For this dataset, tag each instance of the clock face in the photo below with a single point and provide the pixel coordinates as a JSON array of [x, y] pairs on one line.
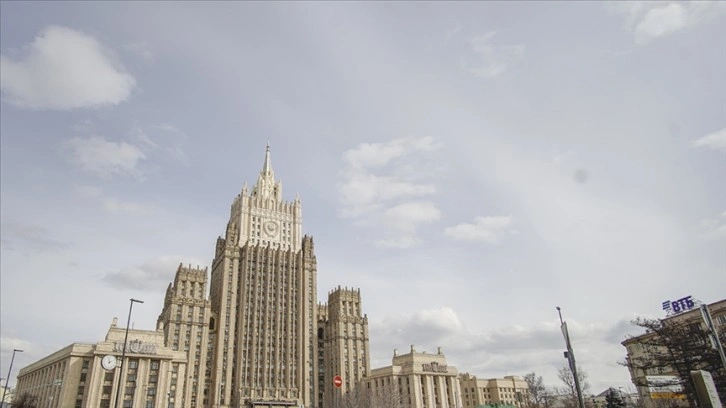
[[108, 362], [271, 228]]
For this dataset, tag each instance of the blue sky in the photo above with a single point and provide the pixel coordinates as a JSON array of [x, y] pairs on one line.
[[469, 166]]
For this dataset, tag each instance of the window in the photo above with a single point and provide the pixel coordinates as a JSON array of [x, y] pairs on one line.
[[133, 364], [721, 320]]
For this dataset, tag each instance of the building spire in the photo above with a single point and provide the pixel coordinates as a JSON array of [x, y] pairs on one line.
[[267, 166], [266, 186]]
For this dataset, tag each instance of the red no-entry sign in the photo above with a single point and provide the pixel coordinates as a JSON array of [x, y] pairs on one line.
[[337, 381]]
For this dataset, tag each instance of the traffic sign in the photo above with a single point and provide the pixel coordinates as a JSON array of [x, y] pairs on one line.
[[337, 381]]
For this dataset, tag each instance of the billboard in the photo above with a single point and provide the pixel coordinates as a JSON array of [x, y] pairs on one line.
[[665, 386]]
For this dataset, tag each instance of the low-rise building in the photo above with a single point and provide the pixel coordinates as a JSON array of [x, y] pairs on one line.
[[87, 375], [510, 390], [657, 384], [414, 380]]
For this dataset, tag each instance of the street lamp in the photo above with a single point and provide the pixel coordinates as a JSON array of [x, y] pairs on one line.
[[7, 381], [123, 352], [570, 356]]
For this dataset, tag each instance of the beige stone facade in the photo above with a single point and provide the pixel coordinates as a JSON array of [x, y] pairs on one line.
[[186, 319], [253, 342], [74, 377], [510, 390], [414, 380], [343, 345], [637, 352]]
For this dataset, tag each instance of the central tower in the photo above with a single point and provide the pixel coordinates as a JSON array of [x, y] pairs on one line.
[[263, 298]]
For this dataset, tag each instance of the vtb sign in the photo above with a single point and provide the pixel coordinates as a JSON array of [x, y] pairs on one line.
[[337, 381], [678, 306]]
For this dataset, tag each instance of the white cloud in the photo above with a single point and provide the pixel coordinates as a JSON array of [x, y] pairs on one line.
[[399, 242], [111, 205], [118, 207], [649, 21], [153, 275], [28, 237], [453, 32], [8, 344], [64, 69], [141, 49], [103, 157], [714, 141], [378, 182], [363, 192], [714, 228], [493, 60], [406, 216], [163, 138], [89, 191], [485, 229]]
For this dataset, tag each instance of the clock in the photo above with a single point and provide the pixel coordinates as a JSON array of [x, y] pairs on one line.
[[270, 228], [108, 362]]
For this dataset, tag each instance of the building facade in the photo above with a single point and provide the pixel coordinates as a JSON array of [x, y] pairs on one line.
[[87, 375], [259, 339], [343, 345], [414, 380], [657, 384], [187, 324], [264, 302], [510, 390]]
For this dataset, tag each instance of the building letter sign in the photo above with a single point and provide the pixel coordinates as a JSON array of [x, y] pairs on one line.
[[136, 346], [678, 306], [434, 367]]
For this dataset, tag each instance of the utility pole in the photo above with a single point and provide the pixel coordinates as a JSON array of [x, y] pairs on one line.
[[570, 356], [713, 333], [123, 353], [7, 380]]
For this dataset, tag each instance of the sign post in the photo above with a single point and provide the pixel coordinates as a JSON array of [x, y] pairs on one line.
[[338, 383]]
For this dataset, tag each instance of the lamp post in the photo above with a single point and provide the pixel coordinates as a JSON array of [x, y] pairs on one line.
[[7, 380], [570, 356], [123, 351]]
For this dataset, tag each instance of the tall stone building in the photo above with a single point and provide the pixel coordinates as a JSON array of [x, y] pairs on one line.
[[260, 339], [185, 319], [342, 345], [264, 304]]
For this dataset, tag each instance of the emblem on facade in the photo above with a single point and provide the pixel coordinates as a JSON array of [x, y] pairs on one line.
[[136, 346], [435, 367]]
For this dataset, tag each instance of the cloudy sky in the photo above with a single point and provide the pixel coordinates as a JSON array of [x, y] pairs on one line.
[[469, 166]]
